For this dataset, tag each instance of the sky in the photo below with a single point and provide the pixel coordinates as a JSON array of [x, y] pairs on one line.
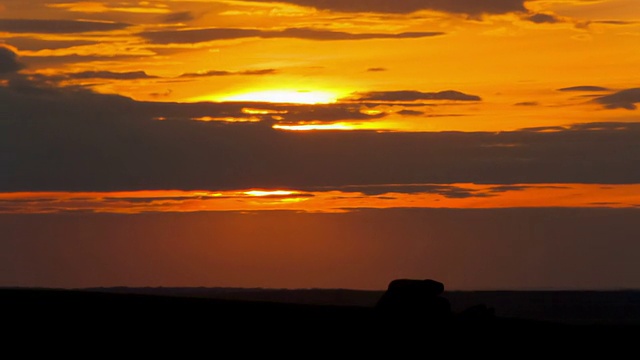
[[487, 144]]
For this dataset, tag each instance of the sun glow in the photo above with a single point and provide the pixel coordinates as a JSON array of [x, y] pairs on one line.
[[261, 193], [287, 97], [309, 127], [476, 196]]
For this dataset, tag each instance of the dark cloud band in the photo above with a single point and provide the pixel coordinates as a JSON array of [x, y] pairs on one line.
[[192, 36], [57, 26], [412, 95], [72, 139], [470, 7], [585, 88]]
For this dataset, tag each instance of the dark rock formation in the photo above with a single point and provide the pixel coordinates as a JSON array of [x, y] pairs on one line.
[[477, 313], [414, 300]]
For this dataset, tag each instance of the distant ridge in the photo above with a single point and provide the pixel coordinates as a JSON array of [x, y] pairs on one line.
[[571, 306]]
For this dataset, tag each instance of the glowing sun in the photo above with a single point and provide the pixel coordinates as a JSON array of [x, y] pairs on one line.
[[287, 96]]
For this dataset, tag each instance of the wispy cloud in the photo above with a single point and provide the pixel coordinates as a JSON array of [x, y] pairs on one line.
[[47, 26], [470, 7], [339, 199], [192, 36], [35, 44], [128, 75], [177, 17], [229, 73], [413, 95], [585, 88]]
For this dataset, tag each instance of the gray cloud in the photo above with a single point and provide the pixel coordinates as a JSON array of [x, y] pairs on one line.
[[469, 7], [412, 95], [587, 88], [544, 129], [624, 99], [586, 24], [448, 191], [8, 61], [376, 69], [57, 26], [52, 80], [47, 61], [614, 22], [544, 18], [73, 139], [325, 113], [410, 112], [229, 73], [177, 17], [527, 103], [35, 44], [129, 75], [192, 36]]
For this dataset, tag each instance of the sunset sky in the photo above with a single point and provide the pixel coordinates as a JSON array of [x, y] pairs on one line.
[[487, 144]]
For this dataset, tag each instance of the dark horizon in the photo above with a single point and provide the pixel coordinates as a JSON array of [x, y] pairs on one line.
[[320, 143]]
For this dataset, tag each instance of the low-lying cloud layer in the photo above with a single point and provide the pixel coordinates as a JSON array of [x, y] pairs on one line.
[[72, 139], [326, 199]]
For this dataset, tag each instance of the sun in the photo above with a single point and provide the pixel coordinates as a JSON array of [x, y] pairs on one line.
[[287, 96]]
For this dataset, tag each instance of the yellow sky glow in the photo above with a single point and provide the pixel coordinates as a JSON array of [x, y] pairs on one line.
[[286, 96]]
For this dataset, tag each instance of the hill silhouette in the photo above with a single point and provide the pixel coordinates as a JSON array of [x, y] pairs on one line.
[[408, 313]]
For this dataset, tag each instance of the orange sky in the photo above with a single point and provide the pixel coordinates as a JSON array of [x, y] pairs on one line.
[[514, 61]]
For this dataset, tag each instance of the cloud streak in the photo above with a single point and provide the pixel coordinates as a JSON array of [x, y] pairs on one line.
[[128, 75], [412, 95], [35, 44], [469, 7], [193, 36], [42, 26], [177, 17], [229, 73], [326, 199], [584, 88]]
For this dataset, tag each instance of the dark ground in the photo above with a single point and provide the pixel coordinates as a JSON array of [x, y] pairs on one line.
[[572, 307], [318, 321]]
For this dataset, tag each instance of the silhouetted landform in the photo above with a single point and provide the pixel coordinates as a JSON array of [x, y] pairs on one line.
[[409, 315], [414, 301], [573, 307]]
